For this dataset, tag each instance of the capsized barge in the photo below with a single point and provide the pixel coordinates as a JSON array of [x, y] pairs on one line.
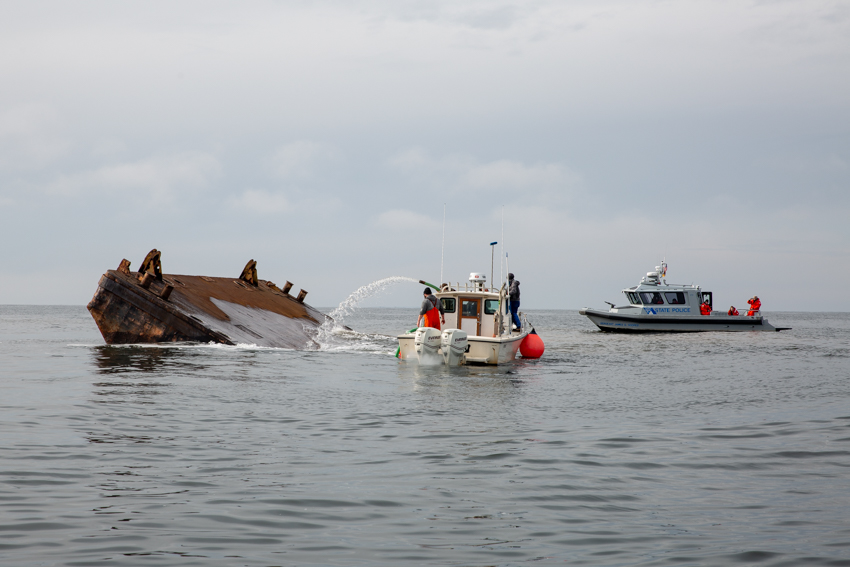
[[151, 307]]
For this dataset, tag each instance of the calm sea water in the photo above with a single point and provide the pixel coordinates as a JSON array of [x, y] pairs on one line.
[[702, 449]]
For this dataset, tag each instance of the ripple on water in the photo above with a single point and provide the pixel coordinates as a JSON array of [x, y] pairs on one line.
[[657, 450]]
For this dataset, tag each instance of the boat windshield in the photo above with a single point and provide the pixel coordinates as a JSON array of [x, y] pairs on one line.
[[674, 297], [633, 298], [651, 298]]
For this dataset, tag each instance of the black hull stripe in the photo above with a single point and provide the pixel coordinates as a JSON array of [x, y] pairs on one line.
[[702, 320]]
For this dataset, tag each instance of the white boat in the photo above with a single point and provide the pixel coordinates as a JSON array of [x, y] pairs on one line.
[[478, 328], [656, 306]]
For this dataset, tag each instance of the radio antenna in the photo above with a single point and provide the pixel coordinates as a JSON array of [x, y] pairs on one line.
[[443, 247], [502, 255], [492, 249]]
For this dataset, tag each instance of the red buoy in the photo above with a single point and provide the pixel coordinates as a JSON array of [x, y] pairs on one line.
[[531, 346]]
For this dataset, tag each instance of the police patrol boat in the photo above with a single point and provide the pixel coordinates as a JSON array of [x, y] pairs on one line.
[[656, 306], [477, 328]]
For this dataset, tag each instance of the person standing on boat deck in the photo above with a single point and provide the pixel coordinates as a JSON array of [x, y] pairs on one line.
[[755, 305], [431, 311], [513, 292]]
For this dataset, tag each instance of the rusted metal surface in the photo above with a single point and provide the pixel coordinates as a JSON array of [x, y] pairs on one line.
[[200, 308], [146, 280], [249, 273], [151, 264]]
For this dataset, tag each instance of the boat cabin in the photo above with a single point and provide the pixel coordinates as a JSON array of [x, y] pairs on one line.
[[475, 308], [659, 297]]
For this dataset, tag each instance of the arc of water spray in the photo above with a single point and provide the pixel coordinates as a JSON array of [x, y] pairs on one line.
[[334, 323], [347, 306]]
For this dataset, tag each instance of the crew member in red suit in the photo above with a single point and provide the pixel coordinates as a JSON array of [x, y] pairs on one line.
[[732, 311], [432, 311], [704, 309], [755, 305]]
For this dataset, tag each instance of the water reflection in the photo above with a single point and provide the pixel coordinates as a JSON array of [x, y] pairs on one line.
[[133, 358], [488, 388], [517, 374]]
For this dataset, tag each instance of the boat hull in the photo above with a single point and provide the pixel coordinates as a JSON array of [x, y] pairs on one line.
[[482, 350], [624, 323]]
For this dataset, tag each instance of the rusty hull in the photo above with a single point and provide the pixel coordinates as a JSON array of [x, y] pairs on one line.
[[130, 307]]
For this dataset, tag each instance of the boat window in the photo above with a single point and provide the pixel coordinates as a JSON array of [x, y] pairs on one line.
[[651, 298], [633, 298], [469, 308], [449, 304], [491, 306], [674, 297]]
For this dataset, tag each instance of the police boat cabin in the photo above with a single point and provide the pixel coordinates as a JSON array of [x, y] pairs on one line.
[[477, 328], [656, 306]]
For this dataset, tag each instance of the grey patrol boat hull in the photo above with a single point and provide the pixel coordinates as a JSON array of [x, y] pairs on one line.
[[615, 321]]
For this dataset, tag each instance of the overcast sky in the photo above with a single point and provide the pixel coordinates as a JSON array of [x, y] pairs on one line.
[[323, 139]]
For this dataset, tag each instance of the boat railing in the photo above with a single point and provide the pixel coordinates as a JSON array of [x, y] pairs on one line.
[[466, 287], [742, 313]]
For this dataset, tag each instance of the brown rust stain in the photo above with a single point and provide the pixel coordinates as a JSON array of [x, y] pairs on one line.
[[197, 292]]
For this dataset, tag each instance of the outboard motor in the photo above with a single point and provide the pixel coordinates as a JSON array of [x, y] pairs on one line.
[[453, 345], [427, 345]]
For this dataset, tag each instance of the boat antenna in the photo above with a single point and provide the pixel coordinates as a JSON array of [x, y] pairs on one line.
[[501, 273], [492, 248], [443, 248], [507, 268]]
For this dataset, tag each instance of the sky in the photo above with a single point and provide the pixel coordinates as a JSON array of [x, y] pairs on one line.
[[326, 139]]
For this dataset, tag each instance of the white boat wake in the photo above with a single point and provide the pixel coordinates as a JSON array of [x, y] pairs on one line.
[[332, 335]]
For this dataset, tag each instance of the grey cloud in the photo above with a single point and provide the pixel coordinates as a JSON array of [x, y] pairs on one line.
[[156, 180], [30, 136], [315, 137]]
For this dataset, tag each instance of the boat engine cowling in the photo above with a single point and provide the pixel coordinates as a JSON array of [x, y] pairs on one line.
[[453, 345], [427, 345]]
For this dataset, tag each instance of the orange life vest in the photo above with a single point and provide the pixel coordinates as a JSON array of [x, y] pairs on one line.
[[755, 305], [432, 317]]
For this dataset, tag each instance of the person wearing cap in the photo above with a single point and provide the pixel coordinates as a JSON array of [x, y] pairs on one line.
[[431, 311], [513, 293]]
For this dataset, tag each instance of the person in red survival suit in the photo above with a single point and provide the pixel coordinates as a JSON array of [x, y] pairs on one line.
[[755, 305], [704, 309], [431, 311], [732, 311]]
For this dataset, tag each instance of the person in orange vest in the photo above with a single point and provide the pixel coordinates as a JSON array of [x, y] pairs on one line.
[[704, 309], [732, 311], [431, 311], [755, 305]]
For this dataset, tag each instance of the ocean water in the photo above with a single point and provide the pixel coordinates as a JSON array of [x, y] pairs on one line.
[[696, 449]]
